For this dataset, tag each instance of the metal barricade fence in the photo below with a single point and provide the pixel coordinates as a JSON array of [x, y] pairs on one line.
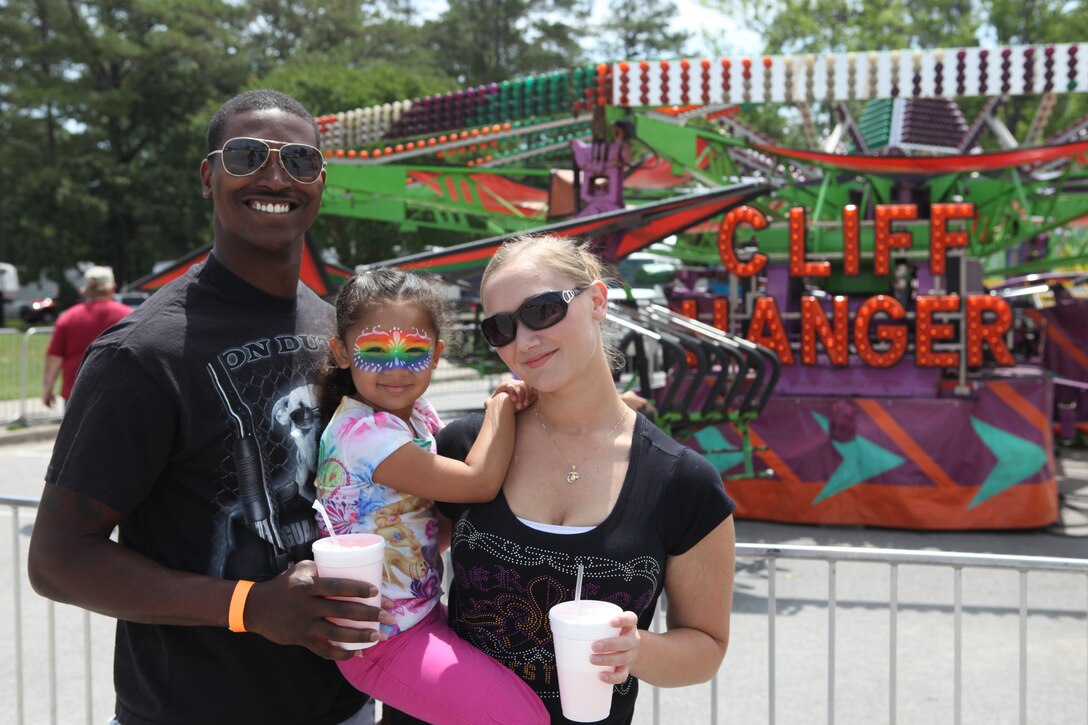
[[20, 392], [67, 677], [1066, 605], [455, 386], [11, 358]]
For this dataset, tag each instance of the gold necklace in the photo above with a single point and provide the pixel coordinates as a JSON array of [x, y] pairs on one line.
[[574, 475]]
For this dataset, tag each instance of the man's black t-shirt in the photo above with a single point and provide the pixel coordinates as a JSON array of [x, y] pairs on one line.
[[195, 417]]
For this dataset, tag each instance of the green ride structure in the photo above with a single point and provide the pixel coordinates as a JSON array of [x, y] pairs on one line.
[[858, 331], [879, 326]]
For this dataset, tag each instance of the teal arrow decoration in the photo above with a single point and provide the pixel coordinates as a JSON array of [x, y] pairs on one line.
[[861, 460], [1018, 459], [717, 449]]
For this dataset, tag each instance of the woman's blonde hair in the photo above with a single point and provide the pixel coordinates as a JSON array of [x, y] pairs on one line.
[[569, 257]]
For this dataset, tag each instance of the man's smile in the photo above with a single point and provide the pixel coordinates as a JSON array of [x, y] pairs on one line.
[[279, 207]]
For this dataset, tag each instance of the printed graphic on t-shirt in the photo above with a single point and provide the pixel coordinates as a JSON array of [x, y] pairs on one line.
[[355, 443], [504, 611], [266, 520]]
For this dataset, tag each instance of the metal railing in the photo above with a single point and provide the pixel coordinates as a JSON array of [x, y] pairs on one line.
[[96, 672], [894, 558], [23, 405], [22, 402], [92, 665]]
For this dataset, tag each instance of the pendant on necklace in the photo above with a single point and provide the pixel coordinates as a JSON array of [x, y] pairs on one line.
[[573, 475]]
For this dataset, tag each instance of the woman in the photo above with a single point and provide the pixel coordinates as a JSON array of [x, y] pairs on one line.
[[591, 482]]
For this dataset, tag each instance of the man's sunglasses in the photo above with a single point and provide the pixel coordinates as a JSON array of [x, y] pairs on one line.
[[245, 156], [538, 313]]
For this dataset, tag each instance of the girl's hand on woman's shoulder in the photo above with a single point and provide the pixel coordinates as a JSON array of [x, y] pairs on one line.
[[519, 391], [618, 652], [636, 402]]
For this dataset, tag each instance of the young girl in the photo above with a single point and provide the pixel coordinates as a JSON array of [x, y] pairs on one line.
[[378, 473]]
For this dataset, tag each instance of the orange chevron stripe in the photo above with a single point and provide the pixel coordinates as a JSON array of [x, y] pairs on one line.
[[1026, 410], [908, 445], [1062, 340], [784, 472], [905, 507]]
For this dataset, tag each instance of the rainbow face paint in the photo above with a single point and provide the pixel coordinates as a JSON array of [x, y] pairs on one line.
[[379, 350]]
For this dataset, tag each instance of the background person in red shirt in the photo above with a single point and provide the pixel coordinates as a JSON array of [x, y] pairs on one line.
[[77, 328]]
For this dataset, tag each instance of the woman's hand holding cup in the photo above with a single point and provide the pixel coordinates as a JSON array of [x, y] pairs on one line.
[[618, 652]]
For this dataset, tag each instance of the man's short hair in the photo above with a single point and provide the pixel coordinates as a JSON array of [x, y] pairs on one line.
[[97, 280], [262, 99]]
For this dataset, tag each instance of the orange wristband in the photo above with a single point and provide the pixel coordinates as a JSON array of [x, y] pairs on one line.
[[238, 606]]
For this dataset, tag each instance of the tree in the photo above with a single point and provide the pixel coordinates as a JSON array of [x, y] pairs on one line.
[[1037, 21], [483, 41], [326, 88], [33, 187], [289, 31], [813, 26], [639, 29], [1040, 21], [817, 26], [108, 103], [100, 94]]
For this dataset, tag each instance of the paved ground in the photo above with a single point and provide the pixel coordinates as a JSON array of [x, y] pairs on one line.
[[1057, 673]]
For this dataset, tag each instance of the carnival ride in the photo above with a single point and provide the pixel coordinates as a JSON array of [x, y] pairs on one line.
[[840, 340]]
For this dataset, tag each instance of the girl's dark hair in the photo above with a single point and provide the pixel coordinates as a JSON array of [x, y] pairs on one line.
[[362, 291]]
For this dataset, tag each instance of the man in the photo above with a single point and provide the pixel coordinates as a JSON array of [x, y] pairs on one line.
[[176, 435], [77, 328]]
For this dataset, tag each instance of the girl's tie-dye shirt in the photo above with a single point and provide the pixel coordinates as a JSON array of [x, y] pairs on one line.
[[354, 443]]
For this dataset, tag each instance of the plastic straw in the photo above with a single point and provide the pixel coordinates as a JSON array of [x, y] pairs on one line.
[[578, 589], [328, 525]]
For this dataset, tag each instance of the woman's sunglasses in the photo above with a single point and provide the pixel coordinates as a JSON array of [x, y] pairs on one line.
[[538, 313], [245, 156]]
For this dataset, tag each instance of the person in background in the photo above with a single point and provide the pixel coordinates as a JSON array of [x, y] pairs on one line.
[[194, 431], [623, 131], [592, 482], [76, 329]]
